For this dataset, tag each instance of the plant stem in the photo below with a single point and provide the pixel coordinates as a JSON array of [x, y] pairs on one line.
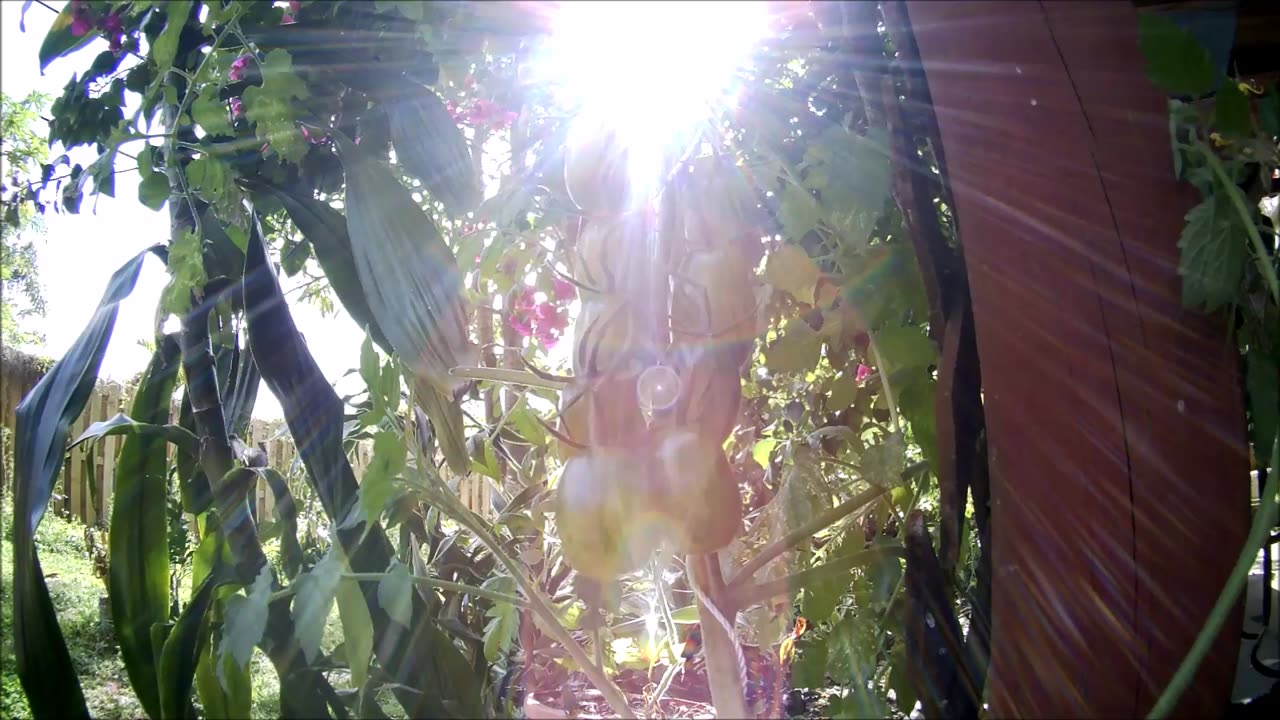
[[502, 375], [538, 602], [786, 542], [745, 596], [1259, 532], [446, 585], [1264, 259]]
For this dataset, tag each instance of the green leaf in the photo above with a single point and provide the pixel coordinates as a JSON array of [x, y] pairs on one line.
[[899, 680], [43, 417], [1176, 61], [236, 701], [810, 670], [395, 593], [210, 111], [843, 390], [59, 41], [687, 615], [165, 48], [1262, 375], [153, 187], [357, 630], [138, 574], [1269, 112], [761, 451], [313, 600], [1214, 254], [851, 174], [246, 621], [905, 347], [791, 270], [432, 148], [798, 212], [822, 596], [103, 172], [796, 351], [186, 272], [378, 486], [181, 650], [122, 424], [1231, 111], [504, 620], [273, 106]]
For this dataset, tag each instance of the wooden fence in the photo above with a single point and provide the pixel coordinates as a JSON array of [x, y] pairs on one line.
[[19, 373]]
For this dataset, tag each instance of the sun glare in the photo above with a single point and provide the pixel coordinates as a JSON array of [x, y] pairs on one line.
[[655, 69]]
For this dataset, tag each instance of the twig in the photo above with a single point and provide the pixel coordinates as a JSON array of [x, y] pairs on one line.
[[786, 542]]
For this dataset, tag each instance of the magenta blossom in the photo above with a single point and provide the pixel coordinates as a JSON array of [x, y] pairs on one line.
[[82, 20], [239, 67], [295, 6], [314, 139], [864, 372], [237, 107], [113, 24], [562, 289], [287, 19]]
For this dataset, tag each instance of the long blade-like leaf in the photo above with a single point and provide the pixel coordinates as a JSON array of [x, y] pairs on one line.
[[122, 424], [138, 574], [43, 417], [432, 148], [410, 277], [326, 229], [177, 667], [422, 658]]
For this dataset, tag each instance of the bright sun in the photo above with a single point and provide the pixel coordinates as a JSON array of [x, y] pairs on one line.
[[655, 69]]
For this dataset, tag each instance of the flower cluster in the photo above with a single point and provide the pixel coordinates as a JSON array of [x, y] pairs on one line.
[[84, 21], [481, 113], [545, 321], [289, 17]]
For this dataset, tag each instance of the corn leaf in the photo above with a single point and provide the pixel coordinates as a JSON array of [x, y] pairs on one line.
[[411, 278], [430, 146], [138, 575], [43, 418]]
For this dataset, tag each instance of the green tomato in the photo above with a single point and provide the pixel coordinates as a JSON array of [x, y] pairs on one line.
[[607, 513], [700, 492]]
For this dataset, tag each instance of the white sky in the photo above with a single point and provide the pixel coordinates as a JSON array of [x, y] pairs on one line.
[[78, 253]]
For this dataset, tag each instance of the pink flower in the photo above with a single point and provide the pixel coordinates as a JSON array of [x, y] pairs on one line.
[[562, 289], [521, 323], [287, 19], [295, 5], [81, 22], [314, 139], [237, 107], [525, 300], [238, 68], [864, 372], [112, 24]]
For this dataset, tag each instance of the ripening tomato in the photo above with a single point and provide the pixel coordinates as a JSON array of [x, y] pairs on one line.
[[713, 302], [602, 333], [607, 513], [701, 492], [596, 167]]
